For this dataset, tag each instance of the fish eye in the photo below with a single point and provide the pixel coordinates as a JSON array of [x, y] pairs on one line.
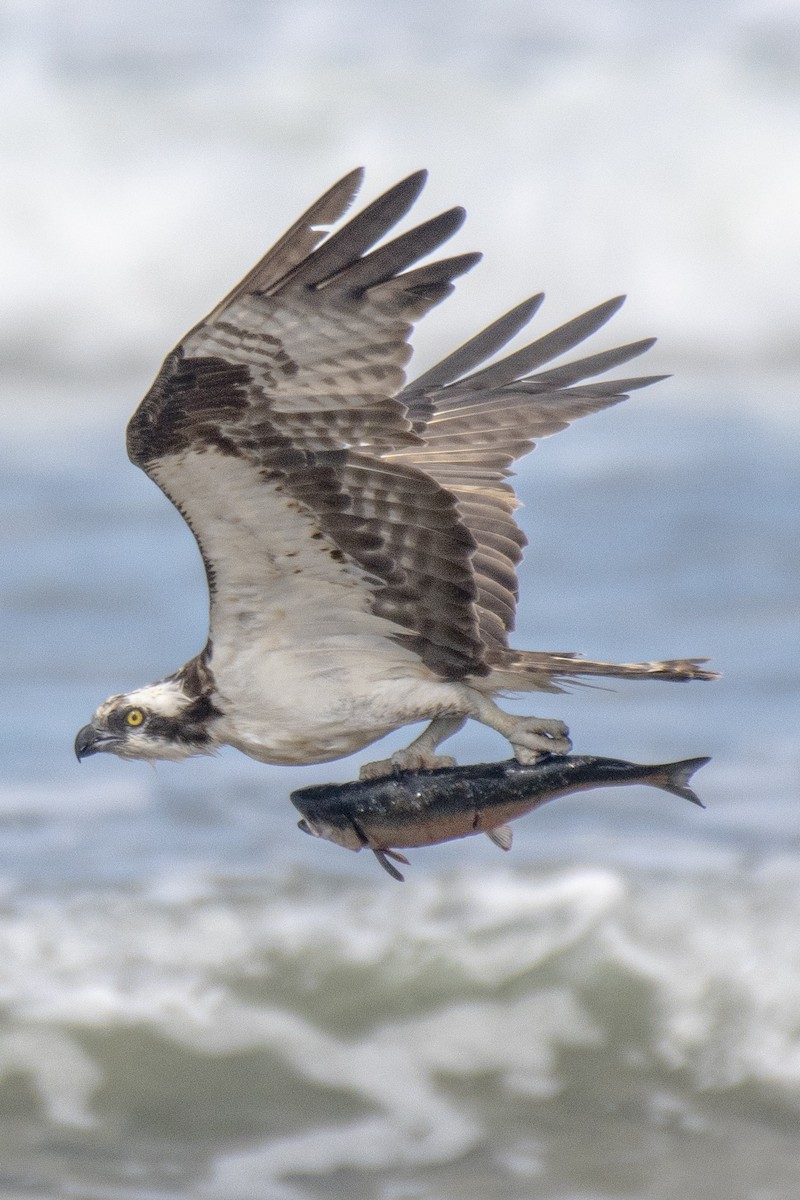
[[135, 718]]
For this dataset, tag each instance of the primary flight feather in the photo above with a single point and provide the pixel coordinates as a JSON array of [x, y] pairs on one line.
[[357, 531]]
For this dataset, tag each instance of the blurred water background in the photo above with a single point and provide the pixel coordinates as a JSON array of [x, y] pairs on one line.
[[195, 1000]]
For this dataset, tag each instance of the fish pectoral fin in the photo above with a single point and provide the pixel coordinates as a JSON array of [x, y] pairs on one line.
[[502, 836], [384, 854]]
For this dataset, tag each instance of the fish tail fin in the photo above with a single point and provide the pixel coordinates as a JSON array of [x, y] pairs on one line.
[[674, 778]]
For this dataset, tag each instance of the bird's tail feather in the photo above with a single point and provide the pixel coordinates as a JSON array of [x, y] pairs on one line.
[[534, 670]]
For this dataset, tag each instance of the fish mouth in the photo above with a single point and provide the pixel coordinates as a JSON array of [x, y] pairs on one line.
[[91, 740]]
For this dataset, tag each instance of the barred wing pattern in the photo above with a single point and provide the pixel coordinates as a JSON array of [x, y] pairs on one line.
[[280, 429], [475, 424]]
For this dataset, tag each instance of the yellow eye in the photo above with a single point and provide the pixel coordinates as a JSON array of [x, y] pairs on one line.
[[135, 717]]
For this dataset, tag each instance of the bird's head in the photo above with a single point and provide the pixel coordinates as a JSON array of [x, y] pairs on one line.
[[159, 721]]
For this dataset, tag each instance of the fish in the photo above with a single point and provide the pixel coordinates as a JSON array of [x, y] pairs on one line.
[[426, 807]]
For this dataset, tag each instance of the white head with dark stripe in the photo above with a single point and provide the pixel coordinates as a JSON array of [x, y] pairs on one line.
[[161, 721]]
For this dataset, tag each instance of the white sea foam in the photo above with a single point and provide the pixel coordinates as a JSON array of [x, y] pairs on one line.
[[395, 1071], [452, 978], [598, 149], [61, 1073]]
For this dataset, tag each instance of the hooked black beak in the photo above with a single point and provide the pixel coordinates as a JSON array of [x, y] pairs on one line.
[[91, 741]]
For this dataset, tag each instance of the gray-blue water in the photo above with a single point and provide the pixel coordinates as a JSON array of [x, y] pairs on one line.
[[196, 1001]]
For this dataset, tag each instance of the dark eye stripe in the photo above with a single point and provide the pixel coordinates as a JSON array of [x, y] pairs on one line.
[[177, 729]]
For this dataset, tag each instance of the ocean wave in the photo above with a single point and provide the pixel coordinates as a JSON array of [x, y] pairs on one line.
[[597, 153], [511, 984], [190, 1004]]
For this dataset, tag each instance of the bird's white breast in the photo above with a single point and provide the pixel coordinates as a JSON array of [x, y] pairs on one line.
[[303, 670], [323, 699]]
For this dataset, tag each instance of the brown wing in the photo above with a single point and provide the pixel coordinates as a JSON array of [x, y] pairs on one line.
[[476, 423], [266, 428]]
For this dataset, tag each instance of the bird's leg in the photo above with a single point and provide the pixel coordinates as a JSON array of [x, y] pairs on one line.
[[420, 755], [530, 737]]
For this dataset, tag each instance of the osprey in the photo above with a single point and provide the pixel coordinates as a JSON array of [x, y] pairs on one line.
[[357, 530]]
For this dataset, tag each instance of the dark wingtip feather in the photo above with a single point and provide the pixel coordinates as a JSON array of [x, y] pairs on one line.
[[480, 347], [609, 307], [641, 381], [297, 242], [367, 227], [349, 183], [571, 373], [388, 260], [546, 348]]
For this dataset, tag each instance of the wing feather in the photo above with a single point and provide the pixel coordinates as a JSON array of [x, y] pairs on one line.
[[559, 341], [266, 427], [478, 348], [473, 424], [298, 241], [282, 430], [343, 250]]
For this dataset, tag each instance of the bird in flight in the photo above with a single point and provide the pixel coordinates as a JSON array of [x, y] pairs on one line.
[[357, 530]]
